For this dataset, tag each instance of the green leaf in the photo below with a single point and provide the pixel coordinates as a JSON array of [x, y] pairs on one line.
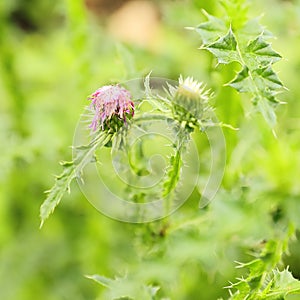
[[266, 109], [264, 281], [174, 169], [107, 282], [246, 43], [276, 285], [173, 173], [62, 184], [125, 288], [71, 170], [284, 284], [265, 77], [252, 29], [258, 51], [211, 30], [263, 80], [237, 11], [225, 49], [242, 82]]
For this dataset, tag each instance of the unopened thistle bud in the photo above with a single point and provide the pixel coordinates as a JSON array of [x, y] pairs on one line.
[[190, 101], [112, 105]]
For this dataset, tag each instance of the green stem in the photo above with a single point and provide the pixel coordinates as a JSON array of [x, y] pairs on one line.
[[173, 174]]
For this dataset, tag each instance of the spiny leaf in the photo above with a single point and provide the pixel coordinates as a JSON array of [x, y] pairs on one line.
[[252, 29], [237, 11], [225, 49], [264, 281], [266, 77], [247, 45], [211, 30], [261, 79], [266, 109], [62, 184], [284, 283], [277, 285], [242, 82], [173, 171], [83, 155], [258, 51], [125, 288], [172, 174]]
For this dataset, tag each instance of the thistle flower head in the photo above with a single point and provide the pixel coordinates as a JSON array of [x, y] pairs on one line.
[[190, 100], [111, 104], [191, 90]]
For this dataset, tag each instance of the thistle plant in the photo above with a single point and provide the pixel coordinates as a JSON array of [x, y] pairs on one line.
[[113, 112], [236, 38], [189, 108], [264, 279], [185, 108], [112, 108]]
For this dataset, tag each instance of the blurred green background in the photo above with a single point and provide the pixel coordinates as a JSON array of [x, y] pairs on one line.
[[55, 53]]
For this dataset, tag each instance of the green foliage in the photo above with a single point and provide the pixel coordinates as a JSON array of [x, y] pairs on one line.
[[246, 42], [112, 130], [277, 285], [71, 169], [264, 280], [124, 289], [173, 173], [231, 7], [46, 72]]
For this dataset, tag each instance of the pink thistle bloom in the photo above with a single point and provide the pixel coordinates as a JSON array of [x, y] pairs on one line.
[[109, 101]]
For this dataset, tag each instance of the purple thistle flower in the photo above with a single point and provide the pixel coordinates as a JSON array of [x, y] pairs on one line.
[[109, 101]]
